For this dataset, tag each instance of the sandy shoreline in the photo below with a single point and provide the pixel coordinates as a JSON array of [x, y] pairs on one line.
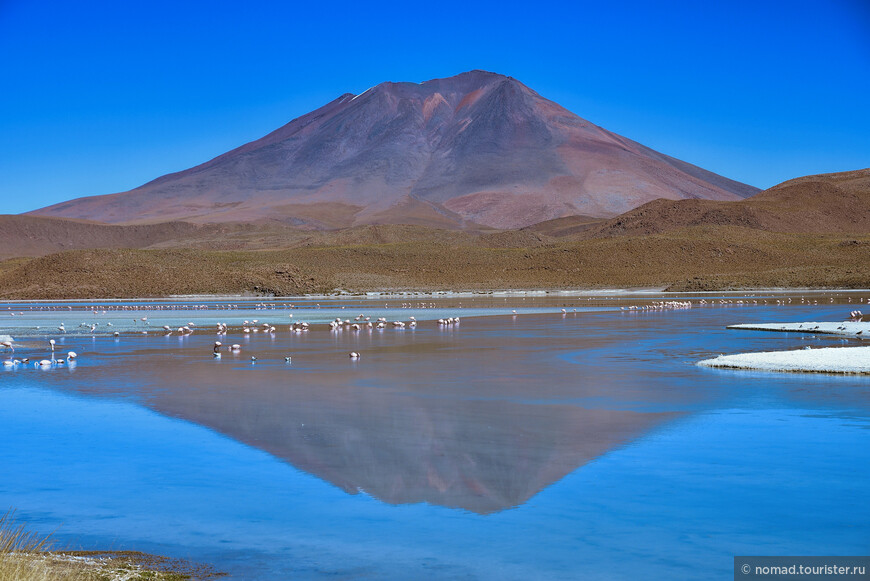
[[103, 565]]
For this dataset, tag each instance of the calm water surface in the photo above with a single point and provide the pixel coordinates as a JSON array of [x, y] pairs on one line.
[[538, 446]]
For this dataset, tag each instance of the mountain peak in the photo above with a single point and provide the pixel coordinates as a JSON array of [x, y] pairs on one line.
[[460, 84], [473, 76]]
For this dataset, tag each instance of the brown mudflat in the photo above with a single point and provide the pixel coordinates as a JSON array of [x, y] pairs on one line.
[[135, 565]]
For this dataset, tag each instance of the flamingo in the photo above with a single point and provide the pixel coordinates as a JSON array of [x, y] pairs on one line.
[[217, 349]]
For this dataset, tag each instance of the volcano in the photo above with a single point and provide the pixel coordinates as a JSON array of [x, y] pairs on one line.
[[476, 149]]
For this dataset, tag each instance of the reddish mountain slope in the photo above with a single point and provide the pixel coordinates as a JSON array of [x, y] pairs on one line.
[[477, 148]]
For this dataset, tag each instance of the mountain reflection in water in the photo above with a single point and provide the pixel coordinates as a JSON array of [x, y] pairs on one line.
[[474, 418], [482, 456]]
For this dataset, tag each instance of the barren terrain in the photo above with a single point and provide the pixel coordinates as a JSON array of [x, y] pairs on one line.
[[808, 232]]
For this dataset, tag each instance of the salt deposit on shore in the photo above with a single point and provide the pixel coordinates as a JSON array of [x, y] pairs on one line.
[[851, 360], [846, 329]]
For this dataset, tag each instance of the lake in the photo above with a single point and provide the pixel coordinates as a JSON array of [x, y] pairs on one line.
[[529, 445]]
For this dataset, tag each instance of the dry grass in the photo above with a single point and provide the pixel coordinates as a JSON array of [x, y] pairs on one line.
[[696, 258], [22, 554], [27, 556]]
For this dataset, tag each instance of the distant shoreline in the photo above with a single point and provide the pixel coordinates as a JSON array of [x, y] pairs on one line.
[[586, 292]]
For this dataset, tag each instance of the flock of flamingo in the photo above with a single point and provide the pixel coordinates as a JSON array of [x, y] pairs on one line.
[[40, 363], [103, 309], [357, 324]]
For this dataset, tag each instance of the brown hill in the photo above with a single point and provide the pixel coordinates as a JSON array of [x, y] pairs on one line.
[[27, 236], [37, 236], [836, 203], [475, 149], [567, 226]]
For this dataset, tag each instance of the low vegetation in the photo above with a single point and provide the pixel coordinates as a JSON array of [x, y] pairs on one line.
[[27, 556], [694, 258]]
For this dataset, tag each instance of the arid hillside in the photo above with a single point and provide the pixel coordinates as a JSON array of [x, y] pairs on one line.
[[28, 236], [808, 232], [37, 236], [822, 204]]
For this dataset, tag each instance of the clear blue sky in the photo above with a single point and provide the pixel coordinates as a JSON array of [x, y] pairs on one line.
[[100, 97]]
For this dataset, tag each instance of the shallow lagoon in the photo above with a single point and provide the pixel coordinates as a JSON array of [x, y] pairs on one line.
[[541, 446]]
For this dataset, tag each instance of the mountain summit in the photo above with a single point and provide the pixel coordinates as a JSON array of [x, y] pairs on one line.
[[475, 149]]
